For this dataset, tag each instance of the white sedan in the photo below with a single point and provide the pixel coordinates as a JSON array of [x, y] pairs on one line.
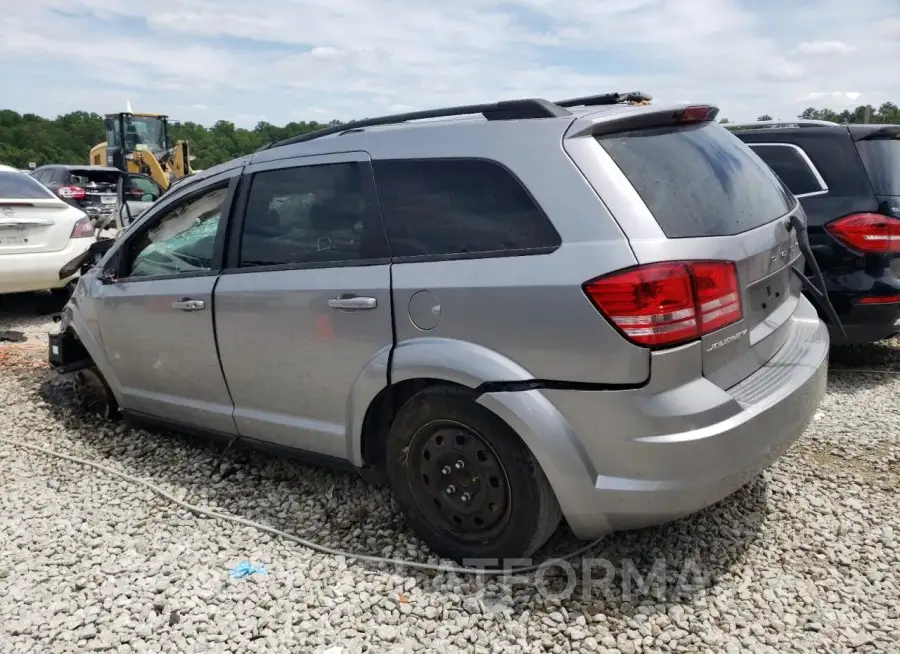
[[39, 234]]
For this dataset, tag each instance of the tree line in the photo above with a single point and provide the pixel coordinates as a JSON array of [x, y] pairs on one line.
[[29, 138]]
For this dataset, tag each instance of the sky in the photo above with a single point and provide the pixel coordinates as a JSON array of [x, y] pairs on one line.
[[283, 60]]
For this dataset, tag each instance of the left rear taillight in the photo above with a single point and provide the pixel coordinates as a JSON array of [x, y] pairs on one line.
[[670, 303], [868, 233], [70, 192], [83, 229]]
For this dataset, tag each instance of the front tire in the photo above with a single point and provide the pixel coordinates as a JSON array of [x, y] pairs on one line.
[[94, 395], [466, 483]]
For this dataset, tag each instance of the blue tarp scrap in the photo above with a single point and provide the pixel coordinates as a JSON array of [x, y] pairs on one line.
[[245, 569]]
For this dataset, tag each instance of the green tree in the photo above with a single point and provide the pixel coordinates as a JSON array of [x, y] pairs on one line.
[[68, 138], [26, 138]]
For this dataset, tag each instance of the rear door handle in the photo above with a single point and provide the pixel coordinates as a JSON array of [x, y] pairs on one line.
[[353, 302], [187, 304]]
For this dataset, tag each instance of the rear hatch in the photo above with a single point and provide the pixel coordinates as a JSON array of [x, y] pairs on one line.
[[32, 219], [100, 188], [880, 154], [712, 199]]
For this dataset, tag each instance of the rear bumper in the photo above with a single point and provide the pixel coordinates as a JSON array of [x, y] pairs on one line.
[[630, 459], [866, 324], [21, 273], [847, 287]]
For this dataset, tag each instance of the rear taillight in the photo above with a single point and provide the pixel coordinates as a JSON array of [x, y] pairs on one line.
[[869, 233], [696, 114], [664, 304], [83, 229], [71, 192], [880, 299]]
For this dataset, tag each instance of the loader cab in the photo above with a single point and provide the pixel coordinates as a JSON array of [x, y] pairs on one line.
[[127, 133]]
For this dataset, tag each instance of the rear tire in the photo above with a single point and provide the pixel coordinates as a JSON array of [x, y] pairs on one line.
[[466, 483], [94, 395]]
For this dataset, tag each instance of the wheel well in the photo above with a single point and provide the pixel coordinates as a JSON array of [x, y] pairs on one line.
[[77, 355], [382, 411]]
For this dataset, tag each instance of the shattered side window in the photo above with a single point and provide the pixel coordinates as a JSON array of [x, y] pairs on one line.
[[182, 240]]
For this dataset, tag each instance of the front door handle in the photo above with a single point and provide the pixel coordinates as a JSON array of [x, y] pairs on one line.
[[187, 304], [352, 302]]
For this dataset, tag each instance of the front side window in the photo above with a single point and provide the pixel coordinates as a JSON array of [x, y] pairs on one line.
[[311, 214], [792, 166], [181, 240]]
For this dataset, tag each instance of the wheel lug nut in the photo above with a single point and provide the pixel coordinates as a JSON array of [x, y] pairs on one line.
[[460, 465], [450, 489], [446, 470], [466, 498]]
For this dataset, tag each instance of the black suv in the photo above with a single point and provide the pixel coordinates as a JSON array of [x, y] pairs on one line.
[[848, 179], [93, 188]]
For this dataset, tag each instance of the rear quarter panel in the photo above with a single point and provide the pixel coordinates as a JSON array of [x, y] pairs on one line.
[[530, 309]]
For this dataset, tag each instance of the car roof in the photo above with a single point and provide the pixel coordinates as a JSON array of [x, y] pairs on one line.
[[441, 127], [109, 169]]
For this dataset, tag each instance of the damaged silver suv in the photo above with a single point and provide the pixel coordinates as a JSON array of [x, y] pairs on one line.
[[518, 313]]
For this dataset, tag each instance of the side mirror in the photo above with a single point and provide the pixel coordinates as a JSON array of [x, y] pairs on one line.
[[88, 259]]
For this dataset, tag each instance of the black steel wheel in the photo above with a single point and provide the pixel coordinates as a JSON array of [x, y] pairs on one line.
[[458, 480], [465, 481], [93, 395]]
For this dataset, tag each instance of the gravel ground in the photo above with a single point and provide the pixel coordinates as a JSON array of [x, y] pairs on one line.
[[804, 558]]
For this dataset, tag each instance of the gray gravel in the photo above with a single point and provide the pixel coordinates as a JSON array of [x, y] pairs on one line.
[[805, 558]]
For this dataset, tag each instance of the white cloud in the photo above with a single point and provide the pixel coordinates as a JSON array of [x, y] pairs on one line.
[[824, 48], [360, 57]]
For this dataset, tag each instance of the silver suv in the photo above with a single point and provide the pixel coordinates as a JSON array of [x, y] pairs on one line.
[[521, 312]]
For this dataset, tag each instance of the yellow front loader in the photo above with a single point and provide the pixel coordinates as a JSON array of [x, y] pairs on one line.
[[139, 143]]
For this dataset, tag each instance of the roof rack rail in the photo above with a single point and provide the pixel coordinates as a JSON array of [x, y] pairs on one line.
[[635, 97], [800, 122], [505, 110]]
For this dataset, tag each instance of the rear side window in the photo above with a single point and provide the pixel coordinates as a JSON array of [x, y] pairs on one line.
[[19, 186], [793, 166], [881, 157], [699, 180], [458, 207], [312, 215]]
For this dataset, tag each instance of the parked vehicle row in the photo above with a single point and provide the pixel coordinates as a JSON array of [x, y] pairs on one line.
[[53, 213], [516, 313], [847, 177], [39, 233], [93, 189]]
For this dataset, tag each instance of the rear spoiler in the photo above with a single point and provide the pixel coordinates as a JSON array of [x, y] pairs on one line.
[[877, 134], [640, 117]]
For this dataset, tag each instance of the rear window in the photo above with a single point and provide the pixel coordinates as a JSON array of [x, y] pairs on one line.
[[699, 180], [19, 186], [96, 176], [881, 157]]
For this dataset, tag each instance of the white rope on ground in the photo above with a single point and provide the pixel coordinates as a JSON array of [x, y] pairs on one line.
[[283, 534]]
